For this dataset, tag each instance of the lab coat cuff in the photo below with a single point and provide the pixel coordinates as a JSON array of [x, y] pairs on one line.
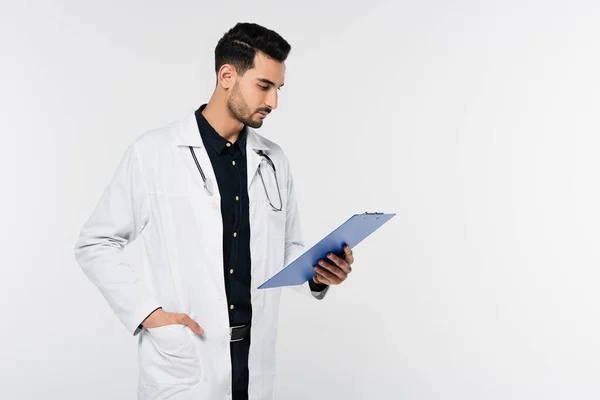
[[316, 287], [320, 295], [138, 316], [318, 290]]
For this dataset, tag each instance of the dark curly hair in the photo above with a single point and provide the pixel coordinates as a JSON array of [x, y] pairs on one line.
[[241, 43]]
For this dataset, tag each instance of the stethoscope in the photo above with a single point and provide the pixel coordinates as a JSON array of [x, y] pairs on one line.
[[210, 190]]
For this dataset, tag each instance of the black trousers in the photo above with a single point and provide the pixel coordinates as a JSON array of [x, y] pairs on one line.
[[239, 368]]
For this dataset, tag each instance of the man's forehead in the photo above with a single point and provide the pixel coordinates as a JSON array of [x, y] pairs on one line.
[[269, 69], [268, 77]]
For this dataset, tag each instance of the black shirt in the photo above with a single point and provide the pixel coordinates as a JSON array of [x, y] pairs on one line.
[[230, 166]]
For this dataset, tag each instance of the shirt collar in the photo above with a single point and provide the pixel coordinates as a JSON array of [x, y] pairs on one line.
[[211, 137]]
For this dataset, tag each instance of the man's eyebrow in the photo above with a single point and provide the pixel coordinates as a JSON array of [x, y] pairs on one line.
[[268, 82]]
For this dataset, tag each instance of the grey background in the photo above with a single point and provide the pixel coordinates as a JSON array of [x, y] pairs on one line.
[[475, 121]]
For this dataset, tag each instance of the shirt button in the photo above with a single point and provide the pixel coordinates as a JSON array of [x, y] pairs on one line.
[[231, 271], [231, 307], [234, 234], [233, 162], [237, 198], [228, 144]]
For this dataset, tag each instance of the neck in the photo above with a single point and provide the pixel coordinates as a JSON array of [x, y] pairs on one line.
[[219, 117]]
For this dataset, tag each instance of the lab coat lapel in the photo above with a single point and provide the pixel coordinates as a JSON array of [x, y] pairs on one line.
[[189, 135], [254, 143], [207, 214]]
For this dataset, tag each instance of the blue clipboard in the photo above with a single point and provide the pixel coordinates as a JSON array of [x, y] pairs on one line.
[[351, 232]]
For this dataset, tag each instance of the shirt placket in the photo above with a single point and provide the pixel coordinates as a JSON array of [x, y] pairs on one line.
[[237, 217]]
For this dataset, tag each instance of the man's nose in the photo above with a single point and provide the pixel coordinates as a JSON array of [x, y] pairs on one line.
[[272, 99]]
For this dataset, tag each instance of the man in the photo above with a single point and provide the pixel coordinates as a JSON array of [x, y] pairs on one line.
[[216, 205]]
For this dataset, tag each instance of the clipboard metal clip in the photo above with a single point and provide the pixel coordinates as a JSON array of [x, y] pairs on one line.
[[373, 213]]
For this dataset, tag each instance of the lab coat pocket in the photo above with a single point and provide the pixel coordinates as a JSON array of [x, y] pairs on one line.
[[168, 357], [276, 240], [276, 223]]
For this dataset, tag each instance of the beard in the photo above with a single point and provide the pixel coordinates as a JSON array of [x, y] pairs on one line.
[[239, 109]]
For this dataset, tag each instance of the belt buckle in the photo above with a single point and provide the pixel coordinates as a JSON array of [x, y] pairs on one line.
[[231, 328]]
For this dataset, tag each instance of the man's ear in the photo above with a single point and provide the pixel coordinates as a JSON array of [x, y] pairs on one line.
[[227, 76]]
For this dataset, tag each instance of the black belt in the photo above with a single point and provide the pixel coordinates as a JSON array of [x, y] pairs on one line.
[[239, 332]]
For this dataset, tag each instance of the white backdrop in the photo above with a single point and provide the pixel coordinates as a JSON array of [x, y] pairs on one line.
[[475, 121]]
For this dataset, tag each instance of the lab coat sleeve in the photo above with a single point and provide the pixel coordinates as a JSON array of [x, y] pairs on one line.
[[294, 244], [118, 219]]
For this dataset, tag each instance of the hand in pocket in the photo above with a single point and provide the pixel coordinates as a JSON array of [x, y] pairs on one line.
[[161, 317]]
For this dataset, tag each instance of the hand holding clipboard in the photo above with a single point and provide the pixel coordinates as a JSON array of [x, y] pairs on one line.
[[351, 232]]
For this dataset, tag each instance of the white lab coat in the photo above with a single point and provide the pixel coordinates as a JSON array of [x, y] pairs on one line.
[[157, 193]]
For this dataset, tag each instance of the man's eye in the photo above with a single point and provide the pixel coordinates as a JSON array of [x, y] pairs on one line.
[[263, 87]]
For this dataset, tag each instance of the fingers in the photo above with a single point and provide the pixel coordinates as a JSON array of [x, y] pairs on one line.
[[190, 323], [340, 262], [349, 254], [335, 270], [326, 277]]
